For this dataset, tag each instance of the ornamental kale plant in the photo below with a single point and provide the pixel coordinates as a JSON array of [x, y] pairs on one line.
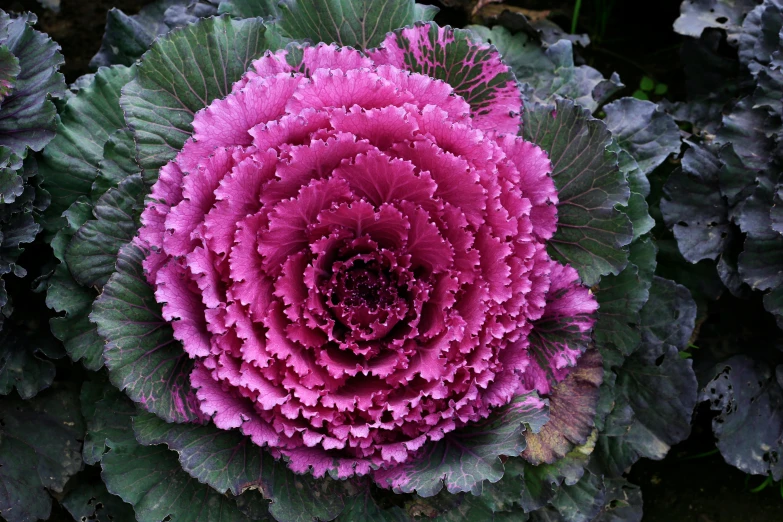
[[378, 269], [723, 205], [29, 62]]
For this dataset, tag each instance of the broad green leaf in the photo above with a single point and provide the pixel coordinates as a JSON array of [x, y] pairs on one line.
[[126, 38], [468, 456], [591, 233], [249, 8], [151, 479], [119, 162], [362, 24], [27, 114], [182, 73], [620, 299], [580, 502], [70, 163], [90, 500], [107, 413], [92, 252], [229, 461], [643, 130], [363, 506], [141, 353], [39, 451], [24, 364], [669, 316], [78, 334]]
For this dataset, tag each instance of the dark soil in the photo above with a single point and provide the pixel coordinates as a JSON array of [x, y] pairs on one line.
[[635, 41]]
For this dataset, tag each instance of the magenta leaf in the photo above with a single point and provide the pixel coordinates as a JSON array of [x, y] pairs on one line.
[[472, 68]]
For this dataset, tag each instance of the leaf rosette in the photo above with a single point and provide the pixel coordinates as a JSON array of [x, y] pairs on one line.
[[357, 256]]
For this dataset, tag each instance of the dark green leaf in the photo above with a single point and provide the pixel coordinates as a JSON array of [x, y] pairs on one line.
[[23, 362], [9, 71], [92, 253], [591, 231], [581, 502], [466, 457], [249, 8], [362, 24], [141, 354], [70, 162], [620, 299], [644, 131], [89, 500], [181, 74], [229, 461], [39, 450], [669, 315], [27, 115], [107, 413]]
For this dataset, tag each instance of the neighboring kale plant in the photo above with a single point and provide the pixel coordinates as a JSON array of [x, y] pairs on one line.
[[40, 430], [358, 277], [725, 205]]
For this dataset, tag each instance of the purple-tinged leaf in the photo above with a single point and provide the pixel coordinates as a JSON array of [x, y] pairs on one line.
[[572, 408], [749, 426], [466, 457], [591, 233], [141, 354], [474, 69], [27, 114], [229, 461], [9, 71]]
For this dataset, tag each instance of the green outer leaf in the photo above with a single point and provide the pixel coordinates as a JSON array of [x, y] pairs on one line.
[[591, 232], [119, 162], [70, 162], [362, 24], [249, 8], [64, 294], [181, 74], [92, 253], [364, 507], [141, 353], [669, 316], [151, 480], [22, 362], [27, 116], [229, 461], [466, 457], [107, 412], [90, 500], [580, 502], [39, 450], [642, 129], [9, 71], [620, 299]]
